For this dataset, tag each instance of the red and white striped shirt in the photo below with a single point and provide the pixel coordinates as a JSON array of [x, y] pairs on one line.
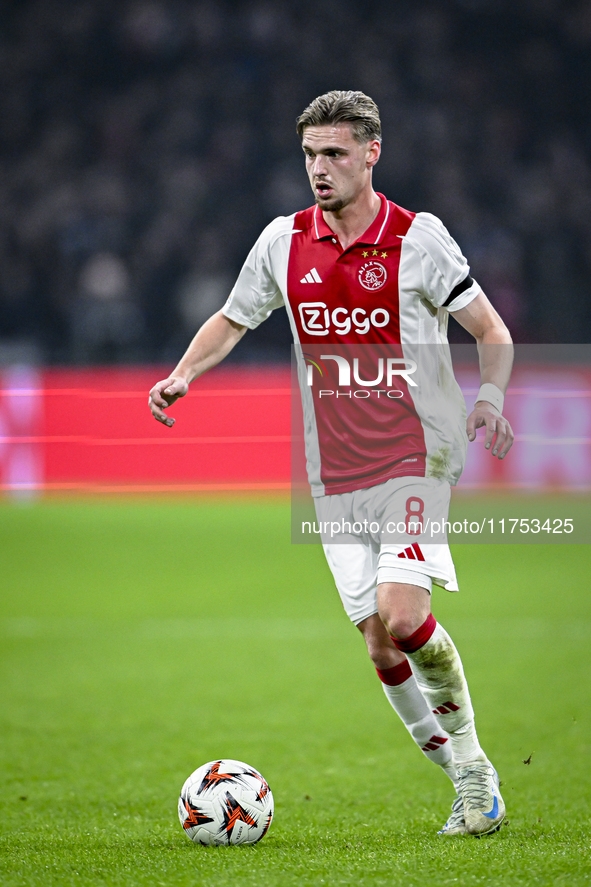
[[370, 329]]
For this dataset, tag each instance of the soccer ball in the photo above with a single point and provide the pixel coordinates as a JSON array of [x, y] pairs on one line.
[[226, 802]]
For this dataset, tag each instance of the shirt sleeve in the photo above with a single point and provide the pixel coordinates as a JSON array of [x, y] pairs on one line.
[[256, 292], [444, 277]]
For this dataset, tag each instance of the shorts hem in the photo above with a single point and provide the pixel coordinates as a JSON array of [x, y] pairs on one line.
[[405, 577], [357, 620]]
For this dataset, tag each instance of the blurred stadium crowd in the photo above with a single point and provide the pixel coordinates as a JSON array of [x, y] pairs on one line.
[[145, 143]]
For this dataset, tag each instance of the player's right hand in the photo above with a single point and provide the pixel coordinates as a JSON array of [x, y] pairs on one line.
[[163, 395]]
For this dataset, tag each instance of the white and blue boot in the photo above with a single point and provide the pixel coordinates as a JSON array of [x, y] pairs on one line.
[[479, 808]]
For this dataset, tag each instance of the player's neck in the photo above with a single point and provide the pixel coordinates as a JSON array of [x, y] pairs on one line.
[[353, 220]]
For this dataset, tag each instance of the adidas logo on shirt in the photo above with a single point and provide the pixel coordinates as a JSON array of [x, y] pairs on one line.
[[312, 277]]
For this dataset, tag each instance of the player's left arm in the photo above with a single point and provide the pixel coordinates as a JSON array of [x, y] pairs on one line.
[[495, 351]]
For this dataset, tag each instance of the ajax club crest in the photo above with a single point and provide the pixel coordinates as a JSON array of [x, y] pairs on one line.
[[372, 276]]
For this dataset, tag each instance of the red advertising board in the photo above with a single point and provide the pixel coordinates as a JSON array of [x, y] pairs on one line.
[[92, 430]]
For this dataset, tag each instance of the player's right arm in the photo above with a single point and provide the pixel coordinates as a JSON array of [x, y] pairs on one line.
[[255, 295], [212, 343]]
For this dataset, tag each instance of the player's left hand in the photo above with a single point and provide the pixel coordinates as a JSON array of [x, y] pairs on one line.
[[499, 434]]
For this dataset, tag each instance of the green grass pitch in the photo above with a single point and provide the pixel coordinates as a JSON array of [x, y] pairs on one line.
[[142, 638]]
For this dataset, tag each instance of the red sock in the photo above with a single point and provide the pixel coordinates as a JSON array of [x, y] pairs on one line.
[[395, 675], [418, 638]]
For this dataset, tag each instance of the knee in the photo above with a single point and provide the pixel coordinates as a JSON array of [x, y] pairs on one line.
[[403, 608], [401, 625], [380, 653], [380, 648]]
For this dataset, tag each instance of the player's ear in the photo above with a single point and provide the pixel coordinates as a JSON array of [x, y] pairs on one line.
[[374, 149]]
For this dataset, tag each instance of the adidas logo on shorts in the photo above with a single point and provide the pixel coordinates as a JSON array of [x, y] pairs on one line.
[[413, 552]]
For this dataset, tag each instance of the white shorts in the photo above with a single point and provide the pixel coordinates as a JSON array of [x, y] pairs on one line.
[[363, 551]]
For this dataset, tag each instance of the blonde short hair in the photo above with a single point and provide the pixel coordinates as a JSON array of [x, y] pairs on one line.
[[344, 106]]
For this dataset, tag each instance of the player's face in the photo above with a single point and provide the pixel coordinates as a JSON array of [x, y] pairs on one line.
[[338, 166]]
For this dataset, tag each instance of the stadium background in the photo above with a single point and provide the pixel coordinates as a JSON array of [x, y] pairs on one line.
[[145, 144]]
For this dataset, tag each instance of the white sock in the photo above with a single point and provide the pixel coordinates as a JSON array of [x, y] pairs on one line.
[[437, 667], [409, 704]]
